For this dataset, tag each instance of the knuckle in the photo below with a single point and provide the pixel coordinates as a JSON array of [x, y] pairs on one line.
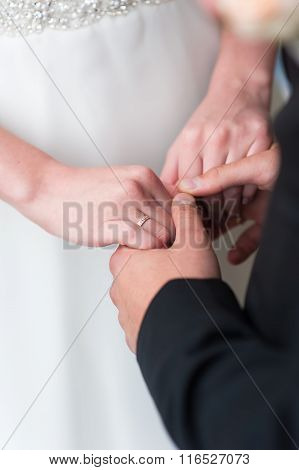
[[222, 136], [240, 129], [133, 188], [191, 135], [214, 174], [144, 173], [209, 129], [213, 180], [134, 170], [260, 126]]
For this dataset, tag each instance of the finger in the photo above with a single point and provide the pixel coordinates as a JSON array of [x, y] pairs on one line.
[[248, 194], [146, 185], [216, 180], [233, 196], [259, 146], [232, 199], [254, 211], [249, 170], [257, 208], [212, 213], [215, 155], [246, 245], [158, 195], [159, 223], [154, 188], [140, 202], [190, 231], [190, 164], [172, 189], [169, 174], [127, 233]]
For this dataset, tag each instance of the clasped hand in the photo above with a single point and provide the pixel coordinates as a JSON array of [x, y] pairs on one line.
[[139, 275]]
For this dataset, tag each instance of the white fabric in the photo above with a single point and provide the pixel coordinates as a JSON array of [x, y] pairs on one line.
[[133, 82]]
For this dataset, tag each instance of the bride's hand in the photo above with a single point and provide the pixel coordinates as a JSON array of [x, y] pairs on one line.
[[87, 206], [102, 206], [232, 122]]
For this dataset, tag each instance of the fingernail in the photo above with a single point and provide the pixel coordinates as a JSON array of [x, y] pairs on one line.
[[189, 183], [184, 199]]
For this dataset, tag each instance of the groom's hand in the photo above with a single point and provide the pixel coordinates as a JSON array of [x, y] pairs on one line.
[[139, 275], [260, 170]]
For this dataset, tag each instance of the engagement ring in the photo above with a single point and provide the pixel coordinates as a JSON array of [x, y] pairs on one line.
[[142, 221]]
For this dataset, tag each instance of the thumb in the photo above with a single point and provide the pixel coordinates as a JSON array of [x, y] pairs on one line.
[[260, 169], [190, 231]]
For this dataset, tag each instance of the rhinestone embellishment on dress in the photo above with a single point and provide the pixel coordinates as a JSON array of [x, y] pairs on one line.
[[27, 16]]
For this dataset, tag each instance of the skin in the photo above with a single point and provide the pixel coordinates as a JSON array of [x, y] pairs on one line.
[[232, 122], [260, 170], [258, 19], [139, 275], [40, 188]]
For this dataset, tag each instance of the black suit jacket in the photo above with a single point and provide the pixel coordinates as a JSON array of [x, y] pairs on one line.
[[221, 376]]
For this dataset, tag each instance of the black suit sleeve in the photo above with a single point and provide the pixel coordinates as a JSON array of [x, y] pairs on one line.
[[272, 298], [209, 372]]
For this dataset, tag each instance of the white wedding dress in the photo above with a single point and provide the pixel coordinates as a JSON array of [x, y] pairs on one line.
[[67, 377]]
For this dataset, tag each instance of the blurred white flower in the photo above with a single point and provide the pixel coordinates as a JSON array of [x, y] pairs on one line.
[[262, 18]]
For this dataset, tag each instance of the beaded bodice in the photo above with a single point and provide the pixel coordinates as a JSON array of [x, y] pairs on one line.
[[27, 16]]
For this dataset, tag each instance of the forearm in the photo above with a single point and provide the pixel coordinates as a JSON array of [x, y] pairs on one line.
[[22, 170], [243, 63]]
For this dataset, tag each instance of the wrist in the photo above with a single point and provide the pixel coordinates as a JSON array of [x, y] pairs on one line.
[[252, 72], [236, 86], [28, 176], [40, 181]]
